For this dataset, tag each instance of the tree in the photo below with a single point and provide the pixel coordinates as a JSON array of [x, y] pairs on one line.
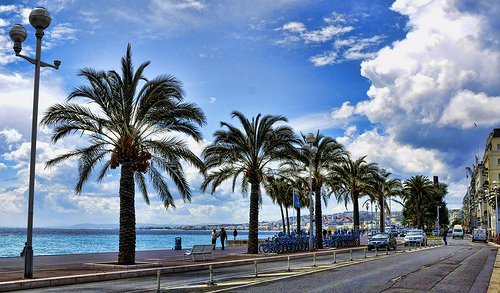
[[245, 155], [416, 192], [354, 179], [385, 190], [132, 128], [329, 153], [281, 192]]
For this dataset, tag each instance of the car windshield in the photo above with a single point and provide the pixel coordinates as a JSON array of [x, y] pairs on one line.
[[381, 236], [415, 233]]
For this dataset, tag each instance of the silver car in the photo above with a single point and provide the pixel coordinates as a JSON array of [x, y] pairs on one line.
[[382, 240], [415, 237]]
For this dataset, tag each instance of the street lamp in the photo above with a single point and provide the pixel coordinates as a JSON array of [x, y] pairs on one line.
[[39, 19], [495, 188], [310, 138]]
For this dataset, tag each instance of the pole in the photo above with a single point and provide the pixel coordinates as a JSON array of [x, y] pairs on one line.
[[496, 211], [311, 206], [28, 260]]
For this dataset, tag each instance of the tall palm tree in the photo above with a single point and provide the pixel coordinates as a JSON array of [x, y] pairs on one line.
[[386, 189], [353, 180], [329, 154], [245, 155], [416, 192], [133, 128]]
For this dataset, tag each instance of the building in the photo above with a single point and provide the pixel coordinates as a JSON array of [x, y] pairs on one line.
[[480, 202]]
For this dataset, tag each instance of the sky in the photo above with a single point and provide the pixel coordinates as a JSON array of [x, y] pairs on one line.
[[411, 84]]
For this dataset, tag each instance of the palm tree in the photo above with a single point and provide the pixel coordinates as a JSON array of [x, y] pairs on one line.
[[385, 190], [354, 179], [281, 192], [245, 155], [329, 153], [132, 128], [416, 192]]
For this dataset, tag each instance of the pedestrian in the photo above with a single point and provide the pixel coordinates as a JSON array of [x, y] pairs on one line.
[[223, 237], [324, 233], [235, 233], [24, 249], [214, 236], [444, 236]]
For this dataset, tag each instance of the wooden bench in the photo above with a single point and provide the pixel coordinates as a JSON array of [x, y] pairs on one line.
[[200, 250]]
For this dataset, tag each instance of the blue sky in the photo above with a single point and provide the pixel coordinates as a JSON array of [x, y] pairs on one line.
[[411, 84]]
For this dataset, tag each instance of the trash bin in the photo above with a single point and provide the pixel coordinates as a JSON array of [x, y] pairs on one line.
[[177, 245]]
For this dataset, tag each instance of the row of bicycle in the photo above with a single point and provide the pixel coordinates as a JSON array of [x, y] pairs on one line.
[[284, 244]]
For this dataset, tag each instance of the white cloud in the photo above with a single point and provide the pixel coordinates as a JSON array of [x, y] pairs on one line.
[[343, 112], [3, 166], [11, 135]]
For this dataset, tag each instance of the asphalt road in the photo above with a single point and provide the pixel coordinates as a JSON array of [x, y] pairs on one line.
[[462, 266]]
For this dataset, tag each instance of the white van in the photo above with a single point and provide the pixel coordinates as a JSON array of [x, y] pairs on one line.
[[458, 231]]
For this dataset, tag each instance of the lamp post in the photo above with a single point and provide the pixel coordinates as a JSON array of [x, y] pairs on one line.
[[40, 19], [439, 232], [495, 188], [310, 138]]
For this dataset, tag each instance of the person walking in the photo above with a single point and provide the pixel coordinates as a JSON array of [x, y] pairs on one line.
[[235, 233], [214, 236], [223, 237], [445, 232]]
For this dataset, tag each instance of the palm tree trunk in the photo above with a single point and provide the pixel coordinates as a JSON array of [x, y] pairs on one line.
[[298, 221], [318, 217], [126, 247], [253, 229], [355, 213], [382, 215], [287, 222], [282, 218]]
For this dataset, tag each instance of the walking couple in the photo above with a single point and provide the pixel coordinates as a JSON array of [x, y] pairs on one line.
[[223, 237]]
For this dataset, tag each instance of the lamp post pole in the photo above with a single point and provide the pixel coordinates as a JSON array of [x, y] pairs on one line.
[[439, 232], [495, 188], [310, 138], [40, 19]]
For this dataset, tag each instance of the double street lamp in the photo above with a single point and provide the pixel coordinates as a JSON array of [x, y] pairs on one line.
[[40, 19], [310, 138]]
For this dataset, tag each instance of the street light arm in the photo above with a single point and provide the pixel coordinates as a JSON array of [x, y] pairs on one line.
[[42, 64]]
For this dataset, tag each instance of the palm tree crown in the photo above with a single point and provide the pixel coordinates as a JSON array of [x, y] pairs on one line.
[[131, 128], [355, 179], [245, 154]]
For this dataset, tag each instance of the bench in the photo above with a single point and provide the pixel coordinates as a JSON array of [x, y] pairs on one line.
[[200, 250]]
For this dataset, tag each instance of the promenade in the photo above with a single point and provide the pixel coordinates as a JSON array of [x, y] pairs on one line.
[[84, 268]]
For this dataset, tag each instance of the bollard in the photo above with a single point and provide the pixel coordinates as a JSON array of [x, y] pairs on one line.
[[395, 248], [211, 281], [364, 250], [404, 248], [255, 266], [387, 249], [288, 263], [350, 252], [334, 257], [420, 245], [376, 251], [158, 274], [314, 259]]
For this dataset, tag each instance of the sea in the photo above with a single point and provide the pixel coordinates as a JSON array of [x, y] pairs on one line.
[[47, 241]]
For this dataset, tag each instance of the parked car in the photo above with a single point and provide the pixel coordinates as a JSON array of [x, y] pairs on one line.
[[382, 240], [435, 232], [415, 237], [458, 232], [402, 232], [480, 235]]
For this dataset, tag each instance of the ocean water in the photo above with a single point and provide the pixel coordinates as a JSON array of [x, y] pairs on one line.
[[48, 241]]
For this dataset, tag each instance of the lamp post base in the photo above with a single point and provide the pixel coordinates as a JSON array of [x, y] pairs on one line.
[[28, 263]]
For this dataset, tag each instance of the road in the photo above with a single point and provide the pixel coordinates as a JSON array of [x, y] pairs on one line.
[[462, 266]]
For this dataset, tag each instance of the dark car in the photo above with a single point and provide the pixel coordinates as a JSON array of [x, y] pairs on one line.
[[382, 240]]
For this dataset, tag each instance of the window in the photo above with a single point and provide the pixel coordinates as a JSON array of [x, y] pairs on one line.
[[499, 176], [498, 146], [498, 161]]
